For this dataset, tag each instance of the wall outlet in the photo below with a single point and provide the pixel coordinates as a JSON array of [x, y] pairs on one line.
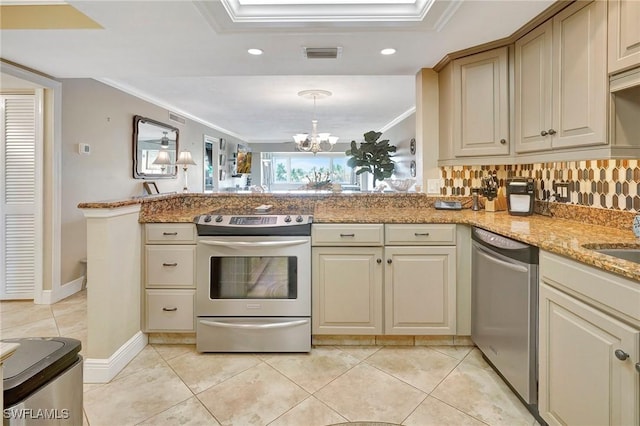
[[433, 186], [84, 148], [562, 192]]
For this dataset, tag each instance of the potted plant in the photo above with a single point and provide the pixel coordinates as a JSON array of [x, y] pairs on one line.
[[372, 156]]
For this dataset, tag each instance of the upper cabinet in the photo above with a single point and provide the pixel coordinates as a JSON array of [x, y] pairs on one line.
[[624, 35], [561, 90], [480, 93]]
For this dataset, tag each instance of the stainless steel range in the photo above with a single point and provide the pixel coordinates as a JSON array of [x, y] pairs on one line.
[[253, 291]]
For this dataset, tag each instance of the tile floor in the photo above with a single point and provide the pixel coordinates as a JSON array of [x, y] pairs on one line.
[[175, 385]]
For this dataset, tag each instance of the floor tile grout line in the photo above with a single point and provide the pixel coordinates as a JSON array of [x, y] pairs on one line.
[[215, 384], [461, 411], [162, 411], [207, 408]]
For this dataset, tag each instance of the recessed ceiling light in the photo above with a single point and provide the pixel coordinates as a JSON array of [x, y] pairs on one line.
[[255, 52], [388, 51]]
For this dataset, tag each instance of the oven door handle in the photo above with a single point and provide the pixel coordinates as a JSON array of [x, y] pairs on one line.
[[253, 244], [284, 324]]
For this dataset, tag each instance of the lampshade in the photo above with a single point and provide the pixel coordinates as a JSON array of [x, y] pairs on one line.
[[163, 158], [185, 158]]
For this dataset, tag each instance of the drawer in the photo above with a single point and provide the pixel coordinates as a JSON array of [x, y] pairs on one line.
[[347, 235], [170, 266], [170, 310], [419, 235], [170, 233]]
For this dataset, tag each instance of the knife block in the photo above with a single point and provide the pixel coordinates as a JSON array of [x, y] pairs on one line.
[[497, 204]]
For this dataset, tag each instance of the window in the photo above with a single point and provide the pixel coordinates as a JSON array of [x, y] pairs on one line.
[[292, 170]]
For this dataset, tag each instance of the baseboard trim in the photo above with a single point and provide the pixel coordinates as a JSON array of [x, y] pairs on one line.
[[49, 297], [99, 370]]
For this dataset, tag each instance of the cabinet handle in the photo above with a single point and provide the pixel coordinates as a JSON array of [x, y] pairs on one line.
[[638, 366], [378, 260], [621, 355], [170, 264], [170, 309], [169, 233], [543, 133], [389, 261], [552, 132], [503, 141], [347, 235], [421, 234]]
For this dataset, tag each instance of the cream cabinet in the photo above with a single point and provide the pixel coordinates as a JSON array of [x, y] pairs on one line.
[[346, 290], [407, 286], [561, 92], [624, 35], [480, 93], [169, 277], [589, 345]]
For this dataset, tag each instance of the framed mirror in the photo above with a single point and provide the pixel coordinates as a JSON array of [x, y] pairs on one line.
[[155, 146]]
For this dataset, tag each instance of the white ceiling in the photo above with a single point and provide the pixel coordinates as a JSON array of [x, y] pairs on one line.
[[191, 57]]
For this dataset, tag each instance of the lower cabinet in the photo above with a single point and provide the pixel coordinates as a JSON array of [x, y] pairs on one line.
[[589, 360], [169, 278], [347, 290], [170, 310], [402, 284], [420, 291]]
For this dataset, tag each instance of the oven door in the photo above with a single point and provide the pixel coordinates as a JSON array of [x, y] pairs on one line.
[[253, 276]]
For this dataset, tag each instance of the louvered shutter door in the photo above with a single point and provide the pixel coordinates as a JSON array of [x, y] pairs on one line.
[[21, 207]]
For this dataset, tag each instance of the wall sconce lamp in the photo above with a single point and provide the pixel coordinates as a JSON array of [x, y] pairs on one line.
[[185, 160]]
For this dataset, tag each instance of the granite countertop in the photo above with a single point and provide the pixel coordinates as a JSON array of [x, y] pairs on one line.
[[567, 234], [560, 236]]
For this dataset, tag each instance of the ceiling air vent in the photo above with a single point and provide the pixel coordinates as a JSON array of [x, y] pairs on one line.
[[175, 117], [322, 52]]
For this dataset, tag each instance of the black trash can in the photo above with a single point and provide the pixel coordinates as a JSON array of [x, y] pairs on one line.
[[42, 382]]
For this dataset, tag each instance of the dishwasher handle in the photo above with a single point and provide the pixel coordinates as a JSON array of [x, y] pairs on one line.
[[491, 257]]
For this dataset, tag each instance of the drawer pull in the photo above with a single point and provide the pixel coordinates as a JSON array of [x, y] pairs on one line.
[[170, 264], [169, 233], [347, 235], [173, 309], [421, 234]]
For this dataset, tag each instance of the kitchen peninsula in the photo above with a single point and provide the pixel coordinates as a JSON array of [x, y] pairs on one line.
[[115, 254], [565, 233]]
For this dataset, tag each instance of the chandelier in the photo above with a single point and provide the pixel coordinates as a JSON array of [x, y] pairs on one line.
[[316, 142]]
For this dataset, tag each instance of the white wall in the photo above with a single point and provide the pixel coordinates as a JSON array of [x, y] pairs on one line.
[[102, 116]]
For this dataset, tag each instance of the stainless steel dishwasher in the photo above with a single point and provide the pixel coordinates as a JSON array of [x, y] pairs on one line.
[[504, 310]]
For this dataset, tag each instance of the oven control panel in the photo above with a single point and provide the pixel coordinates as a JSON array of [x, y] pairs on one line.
[[285, 224]]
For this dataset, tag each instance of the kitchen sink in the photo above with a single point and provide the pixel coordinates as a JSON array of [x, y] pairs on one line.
[[631, 254]]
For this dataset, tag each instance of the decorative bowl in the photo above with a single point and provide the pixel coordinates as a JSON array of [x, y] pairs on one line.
[[400, 185]]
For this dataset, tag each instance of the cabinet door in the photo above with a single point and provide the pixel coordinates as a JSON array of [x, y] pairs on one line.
[[581, 380], [481, 104], [533, 56], [420, 290], [347, 290], [624, 34], [580, 81]]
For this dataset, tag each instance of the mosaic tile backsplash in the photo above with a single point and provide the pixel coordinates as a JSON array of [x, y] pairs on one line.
[[609, 184]]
